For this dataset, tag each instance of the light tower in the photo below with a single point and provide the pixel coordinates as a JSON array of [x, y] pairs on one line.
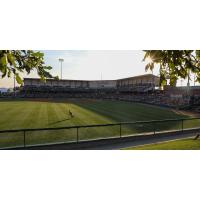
[[61, 60], [14, 88]]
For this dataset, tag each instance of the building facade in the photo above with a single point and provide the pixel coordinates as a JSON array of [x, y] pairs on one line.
[[143, 80]]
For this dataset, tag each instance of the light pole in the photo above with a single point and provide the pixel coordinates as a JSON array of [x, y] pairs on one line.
[[188, 82], [61, 60], [14, 87]]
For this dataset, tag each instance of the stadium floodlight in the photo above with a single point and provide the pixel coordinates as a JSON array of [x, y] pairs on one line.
[[61, 60], [14, 88]]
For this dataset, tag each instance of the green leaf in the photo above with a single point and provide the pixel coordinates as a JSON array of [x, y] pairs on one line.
[[18, 79], [56, 78], [11, 59], [3, 60], [3, 63], [38, 54]]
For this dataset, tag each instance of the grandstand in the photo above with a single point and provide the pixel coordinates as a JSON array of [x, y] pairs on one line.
[[143, 88], [85, 88], [143, 80]]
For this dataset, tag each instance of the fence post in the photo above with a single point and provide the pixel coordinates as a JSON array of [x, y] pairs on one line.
[[77, 135], [120, 130], [24, 139]]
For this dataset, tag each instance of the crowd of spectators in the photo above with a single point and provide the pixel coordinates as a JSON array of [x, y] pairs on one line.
[[141, 95]]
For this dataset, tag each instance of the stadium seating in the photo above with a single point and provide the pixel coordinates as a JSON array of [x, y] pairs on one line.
[[123, 90]]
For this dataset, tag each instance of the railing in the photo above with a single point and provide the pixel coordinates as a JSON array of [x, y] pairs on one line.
[[30, 137]]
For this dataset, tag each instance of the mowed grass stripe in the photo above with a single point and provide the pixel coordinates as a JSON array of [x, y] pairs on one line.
[[40, 116], [125, 112], [7, 112], [116, 117], [93, 118], [141, 111], [55, 114], [14, 116], [30, 113], [109, 113], [32, 110], [103, 131], [86, 116]]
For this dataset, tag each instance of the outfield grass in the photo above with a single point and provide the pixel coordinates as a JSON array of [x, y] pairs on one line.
[[43, 113], [184, 144]]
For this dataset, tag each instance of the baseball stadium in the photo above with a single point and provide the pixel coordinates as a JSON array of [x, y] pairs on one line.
[[126, 113]]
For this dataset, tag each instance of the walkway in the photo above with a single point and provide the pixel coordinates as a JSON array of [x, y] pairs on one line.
[[115, 145]]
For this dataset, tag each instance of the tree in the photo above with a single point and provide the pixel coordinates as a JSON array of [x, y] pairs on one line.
[[16, 61], [174, 64]]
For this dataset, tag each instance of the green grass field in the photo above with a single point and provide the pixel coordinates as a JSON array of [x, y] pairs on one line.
[[43, 113], [184, 144]]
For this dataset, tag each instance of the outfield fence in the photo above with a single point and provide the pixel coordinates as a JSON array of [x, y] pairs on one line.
[[76, 134]]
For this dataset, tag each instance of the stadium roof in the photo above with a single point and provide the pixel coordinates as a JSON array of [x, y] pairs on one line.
[[140, 76], [137, 77]]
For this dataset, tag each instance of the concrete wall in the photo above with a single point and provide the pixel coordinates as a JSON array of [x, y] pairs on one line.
[[102, 84], [139, 80]]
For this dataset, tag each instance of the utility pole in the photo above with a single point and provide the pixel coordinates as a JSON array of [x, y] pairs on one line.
[[101, 82], [61, 60]]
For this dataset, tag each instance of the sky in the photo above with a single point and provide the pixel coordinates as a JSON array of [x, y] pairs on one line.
[[94, 65], [91, 65]]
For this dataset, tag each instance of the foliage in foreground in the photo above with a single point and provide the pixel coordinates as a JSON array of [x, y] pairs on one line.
[[174, 64], [16, 61]]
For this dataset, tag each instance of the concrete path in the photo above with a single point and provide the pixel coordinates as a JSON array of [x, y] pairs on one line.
[[116, 145], [143, 142]]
